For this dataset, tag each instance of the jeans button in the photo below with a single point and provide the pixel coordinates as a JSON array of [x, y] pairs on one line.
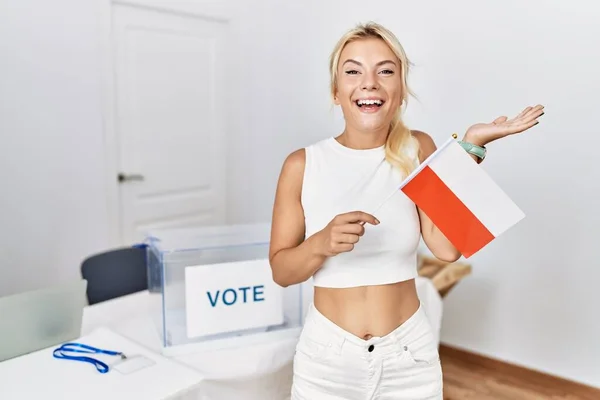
[[371, 347]]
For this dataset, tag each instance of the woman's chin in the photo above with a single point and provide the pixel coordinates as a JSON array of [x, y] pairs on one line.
[[373, 126]]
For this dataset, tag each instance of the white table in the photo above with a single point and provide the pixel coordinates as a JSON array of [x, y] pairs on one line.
[[39, 375], [261, 371], [253, 372]]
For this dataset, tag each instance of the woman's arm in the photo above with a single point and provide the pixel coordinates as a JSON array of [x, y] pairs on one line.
[[479, 134], [293, 259], [434, 239]]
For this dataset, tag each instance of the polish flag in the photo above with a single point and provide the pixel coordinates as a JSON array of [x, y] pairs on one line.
[[460, 198]]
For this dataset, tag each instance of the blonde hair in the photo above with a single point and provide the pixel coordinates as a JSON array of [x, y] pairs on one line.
[[399, 138]]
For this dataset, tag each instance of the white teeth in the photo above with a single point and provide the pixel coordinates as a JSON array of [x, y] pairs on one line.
[[369, 102]]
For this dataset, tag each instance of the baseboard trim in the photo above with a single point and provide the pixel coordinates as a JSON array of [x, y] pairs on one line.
[[521, 374]]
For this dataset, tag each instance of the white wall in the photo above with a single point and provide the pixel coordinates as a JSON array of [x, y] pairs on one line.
[[53, 202], [54, 207], [530, 299]]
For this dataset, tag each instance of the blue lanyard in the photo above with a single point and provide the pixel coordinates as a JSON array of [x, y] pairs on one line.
[[83, 348]]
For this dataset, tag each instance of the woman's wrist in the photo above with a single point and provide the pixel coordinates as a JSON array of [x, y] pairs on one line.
[[315, 246], [478, 152], [473, 140]]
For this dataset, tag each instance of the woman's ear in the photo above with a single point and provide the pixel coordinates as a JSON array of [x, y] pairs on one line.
[[336, 101]]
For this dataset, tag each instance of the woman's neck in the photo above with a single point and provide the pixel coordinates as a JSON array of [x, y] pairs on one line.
[[362, 140]]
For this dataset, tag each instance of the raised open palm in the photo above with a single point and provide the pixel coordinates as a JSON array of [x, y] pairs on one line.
[[484, 133]]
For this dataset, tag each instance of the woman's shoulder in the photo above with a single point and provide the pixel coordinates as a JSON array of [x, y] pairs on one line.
[[295, 159], [423, 138], [426, 143], [321, 143], [295, 162], [293, 166], [298, 157]]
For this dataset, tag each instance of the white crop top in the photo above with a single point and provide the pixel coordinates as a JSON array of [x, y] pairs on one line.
[[338, 179]]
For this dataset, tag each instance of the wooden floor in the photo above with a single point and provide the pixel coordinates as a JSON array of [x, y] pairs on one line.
[[468, 376]]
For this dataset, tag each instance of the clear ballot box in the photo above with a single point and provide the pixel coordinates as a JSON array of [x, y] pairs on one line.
[[212, 286]]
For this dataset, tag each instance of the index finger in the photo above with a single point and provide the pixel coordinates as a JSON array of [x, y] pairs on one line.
[[359, 216]]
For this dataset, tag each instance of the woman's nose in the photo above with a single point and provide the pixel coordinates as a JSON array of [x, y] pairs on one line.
[[369, 82]]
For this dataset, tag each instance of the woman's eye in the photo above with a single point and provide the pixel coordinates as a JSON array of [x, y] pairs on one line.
[[354, 72]]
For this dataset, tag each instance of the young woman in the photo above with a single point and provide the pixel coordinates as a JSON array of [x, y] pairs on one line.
[[365, 334]]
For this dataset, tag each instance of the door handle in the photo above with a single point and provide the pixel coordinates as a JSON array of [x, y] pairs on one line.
[[132, 177]]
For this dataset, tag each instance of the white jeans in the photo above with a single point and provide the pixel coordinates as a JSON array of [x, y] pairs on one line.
[[332, 364]]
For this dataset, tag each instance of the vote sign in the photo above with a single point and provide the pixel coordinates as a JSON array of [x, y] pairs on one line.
[[229, 297]]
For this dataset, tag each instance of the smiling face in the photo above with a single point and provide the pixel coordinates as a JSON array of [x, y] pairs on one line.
[[369, 85]]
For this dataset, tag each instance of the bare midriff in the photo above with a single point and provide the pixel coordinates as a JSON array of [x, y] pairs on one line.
[[368, 311]]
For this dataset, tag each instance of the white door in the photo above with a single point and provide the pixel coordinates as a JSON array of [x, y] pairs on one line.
[[169, 119]]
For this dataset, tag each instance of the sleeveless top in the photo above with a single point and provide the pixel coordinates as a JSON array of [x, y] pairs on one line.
[[338, 179]]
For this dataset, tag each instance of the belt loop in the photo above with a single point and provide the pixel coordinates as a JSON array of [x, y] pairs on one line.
[[339, 345], [396, 340]]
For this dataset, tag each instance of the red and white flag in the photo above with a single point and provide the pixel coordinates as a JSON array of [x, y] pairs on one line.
[[461, 199]]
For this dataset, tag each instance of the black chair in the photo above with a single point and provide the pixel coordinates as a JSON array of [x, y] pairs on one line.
[[115, 273]]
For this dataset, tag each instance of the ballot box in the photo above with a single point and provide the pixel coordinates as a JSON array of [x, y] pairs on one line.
[[213, 286]]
